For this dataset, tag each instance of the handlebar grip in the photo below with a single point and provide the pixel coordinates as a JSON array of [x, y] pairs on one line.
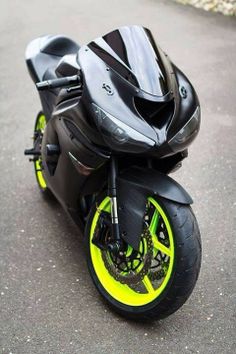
[[56, 83]]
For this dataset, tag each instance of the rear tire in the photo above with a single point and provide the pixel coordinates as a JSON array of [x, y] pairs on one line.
[[40, 124], [186, 247]]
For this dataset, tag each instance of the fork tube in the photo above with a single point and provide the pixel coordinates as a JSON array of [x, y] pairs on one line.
[[113, 199]]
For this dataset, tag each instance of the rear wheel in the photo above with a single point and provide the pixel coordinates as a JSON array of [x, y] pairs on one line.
[[156, 280], [39, 128]]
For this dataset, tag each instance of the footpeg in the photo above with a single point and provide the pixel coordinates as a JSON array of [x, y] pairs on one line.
[[32, 152]]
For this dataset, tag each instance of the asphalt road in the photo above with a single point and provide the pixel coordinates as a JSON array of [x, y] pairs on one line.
[[47, 301]]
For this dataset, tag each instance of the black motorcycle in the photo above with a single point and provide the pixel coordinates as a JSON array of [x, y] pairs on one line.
[[117, 117]]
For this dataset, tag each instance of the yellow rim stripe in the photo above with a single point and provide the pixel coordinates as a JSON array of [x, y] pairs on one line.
[[40, 125]]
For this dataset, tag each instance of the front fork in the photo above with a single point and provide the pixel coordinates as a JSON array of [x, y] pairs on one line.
[[116, 244]]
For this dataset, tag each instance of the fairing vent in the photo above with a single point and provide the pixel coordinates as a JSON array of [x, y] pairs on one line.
[[158, 114], [76, 134]]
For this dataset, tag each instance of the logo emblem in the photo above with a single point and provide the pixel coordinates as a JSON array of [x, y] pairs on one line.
[[183, 92], [108, 89]]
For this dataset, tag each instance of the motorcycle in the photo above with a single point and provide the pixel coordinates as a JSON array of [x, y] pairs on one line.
[[117, 118]]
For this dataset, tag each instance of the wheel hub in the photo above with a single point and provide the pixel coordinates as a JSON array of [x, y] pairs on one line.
[[131, 269]]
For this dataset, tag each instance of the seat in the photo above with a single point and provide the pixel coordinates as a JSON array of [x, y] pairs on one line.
[[42, 57], [59, 45], [44, 53]]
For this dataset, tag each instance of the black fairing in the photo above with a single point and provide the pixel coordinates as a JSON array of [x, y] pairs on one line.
[[123, 73], [128, 76], [184, 106]]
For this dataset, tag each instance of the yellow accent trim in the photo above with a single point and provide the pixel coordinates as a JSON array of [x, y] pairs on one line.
[[40, 125], [148, 284], [121, 292], [159, 246], [154, 222], [39, 174]]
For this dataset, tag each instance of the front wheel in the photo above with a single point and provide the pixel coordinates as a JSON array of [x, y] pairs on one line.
[[156, 280]]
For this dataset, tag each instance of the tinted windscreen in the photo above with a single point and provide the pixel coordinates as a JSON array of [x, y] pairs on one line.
[[131, 51]]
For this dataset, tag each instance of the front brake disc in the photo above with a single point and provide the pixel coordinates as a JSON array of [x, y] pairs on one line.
[[130, 277]]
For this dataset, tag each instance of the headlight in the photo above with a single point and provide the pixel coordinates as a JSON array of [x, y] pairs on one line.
[[120, 136], [187, 134]]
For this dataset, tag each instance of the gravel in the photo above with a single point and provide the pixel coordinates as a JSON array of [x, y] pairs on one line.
[[227, 7]]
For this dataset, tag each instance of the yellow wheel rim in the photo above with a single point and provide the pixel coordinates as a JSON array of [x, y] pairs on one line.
[[122, 292], [40, 126]]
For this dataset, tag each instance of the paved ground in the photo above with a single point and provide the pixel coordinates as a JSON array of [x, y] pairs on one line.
[[47, 301]]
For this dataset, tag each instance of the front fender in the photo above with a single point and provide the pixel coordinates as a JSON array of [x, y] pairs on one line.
[[134, 186]]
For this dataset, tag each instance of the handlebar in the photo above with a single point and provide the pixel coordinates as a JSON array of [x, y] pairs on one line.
[[56, 83]]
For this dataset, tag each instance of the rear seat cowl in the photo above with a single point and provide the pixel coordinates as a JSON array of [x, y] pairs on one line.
[[59, 45], [45, 52]]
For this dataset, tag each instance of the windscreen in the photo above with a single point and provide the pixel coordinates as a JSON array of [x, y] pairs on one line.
[[132, 53]]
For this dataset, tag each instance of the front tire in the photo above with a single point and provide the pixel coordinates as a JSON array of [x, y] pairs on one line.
[[174, 268]]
